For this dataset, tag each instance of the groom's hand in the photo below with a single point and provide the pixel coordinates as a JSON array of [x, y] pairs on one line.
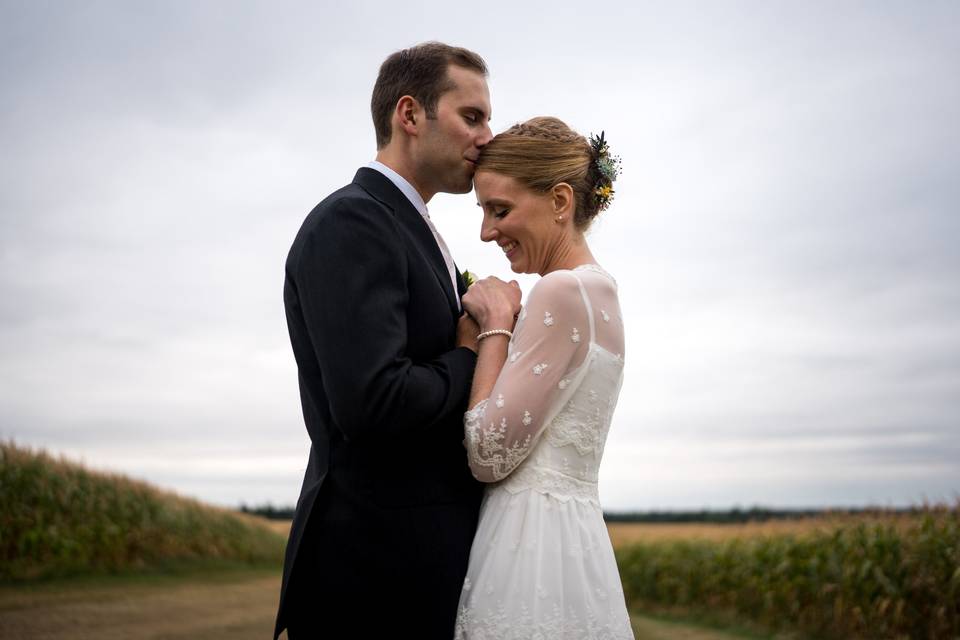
[[467, 331], [493, 303]]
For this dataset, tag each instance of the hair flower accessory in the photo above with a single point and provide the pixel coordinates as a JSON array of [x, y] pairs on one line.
[[608, 166]]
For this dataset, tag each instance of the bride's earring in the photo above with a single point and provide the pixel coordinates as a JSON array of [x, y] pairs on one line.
[[558, 219]]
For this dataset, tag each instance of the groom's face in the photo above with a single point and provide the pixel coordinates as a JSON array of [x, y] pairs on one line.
[[450, 143]]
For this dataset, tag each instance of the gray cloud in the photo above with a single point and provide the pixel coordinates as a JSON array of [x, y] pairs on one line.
[[784, 231]]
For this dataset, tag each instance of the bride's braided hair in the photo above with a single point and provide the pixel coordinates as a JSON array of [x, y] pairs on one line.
[[543, 152]]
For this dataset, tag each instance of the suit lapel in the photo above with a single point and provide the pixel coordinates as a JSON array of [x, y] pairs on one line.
[[381, 188]]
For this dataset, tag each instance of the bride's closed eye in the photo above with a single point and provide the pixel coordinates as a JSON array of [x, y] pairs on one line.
[[501, 214]]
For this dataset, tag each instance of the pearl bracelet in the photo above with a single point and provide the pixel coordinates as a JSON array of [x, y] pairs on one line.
[[494, 332]]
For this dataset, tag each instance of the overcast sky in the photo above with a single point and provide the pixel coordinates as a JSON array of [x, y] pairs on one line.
[[786, 231]]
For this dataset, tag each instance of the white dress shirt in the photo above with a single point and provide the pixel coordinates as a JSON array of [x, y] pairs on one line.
[[414, 197]]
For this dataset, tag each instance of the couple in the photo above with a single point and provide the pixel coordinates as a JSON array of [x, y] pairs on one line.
[[414, 387]]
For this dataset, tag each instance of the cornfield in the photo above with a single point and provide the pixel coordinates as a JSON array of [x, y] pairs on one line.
[[58, 518], [870, 579]]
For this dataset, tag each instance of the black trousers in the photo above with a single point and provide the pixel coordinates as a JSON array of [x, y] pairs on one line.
[[401, 583]]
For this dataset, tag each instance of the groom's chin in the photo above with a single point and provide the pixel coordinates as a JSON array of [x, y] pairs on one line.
[[465, 188], [466, 185]]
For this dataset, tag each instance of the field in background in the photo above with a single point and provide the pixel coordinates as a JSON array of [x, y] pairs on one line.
[[148, 563], [625, 533], [869, 576], [58, 518]]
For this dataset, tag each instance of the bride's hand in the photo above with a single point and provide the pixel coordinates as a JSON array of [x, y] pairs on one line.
[[493, 303]]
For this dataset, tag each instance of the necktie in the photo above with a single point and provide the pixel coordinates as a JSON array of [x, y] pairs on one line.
[[447, 258]]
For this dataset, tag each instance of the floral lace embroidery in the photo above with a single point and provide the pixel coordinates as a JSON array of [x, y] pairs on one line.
[[581, 427], [575, 336], [486, 445], [538, 369], [547, 319]]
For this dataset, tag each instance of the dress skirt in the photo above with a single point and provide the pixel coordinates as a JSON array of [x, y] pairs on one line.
[[541, 566]]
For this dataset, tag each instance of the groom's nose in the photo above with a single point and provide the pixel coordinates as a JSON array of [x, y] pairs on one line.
[[485, 136]]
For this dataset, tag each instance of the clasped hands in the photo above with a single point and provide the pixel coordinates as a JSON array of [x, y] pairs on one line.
[[488, 304]]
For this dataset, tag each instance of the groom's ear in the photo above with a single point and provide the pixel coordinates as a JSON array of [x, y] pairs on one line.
[[408, 115], [562, 199]]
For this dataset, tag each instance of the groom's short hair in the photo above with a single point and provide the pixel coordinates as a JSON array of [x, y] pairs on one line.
[[420, 72]]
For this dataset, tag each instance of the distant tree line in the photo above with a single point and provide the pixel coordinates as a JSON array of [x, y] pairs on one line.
[[269, 511]]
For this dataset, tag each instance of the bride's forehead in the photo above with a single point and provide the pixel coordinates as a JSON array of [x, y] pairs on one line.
[[490, 182]]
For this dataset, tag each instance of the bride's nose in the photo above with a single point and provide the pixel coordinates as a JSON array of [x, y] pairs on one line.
[[487, 231]]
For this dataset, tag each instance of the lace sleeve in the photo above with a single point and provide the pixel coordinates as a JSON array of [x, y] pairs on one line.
[[550, 340]]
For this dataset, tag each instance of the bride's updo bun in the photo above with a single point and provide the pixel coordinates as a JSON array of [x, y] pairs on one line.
[[543, 152]]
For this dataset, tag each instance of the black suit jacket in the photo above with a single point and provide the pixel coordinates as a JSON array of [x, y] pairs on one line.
[[388, 506]]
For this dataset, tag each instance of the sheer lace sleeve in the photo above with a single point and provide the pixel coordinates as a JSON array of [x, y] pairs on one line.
[[551, 339]]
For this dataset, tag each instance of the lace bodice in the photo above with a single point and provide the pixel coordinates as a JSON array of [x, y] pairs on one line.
[[558, 388]]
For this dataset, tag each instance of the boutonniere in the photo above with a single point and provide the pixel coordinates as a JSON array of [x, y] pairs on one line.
[[469, 278]]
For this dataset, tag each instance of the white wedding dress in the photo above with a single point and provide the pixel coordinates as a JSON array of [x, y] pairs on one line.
[[542, 565]]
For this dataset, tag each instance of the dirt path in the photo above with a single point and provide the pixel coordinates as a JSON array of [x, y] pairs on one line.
[[239, 609], [236, 606]]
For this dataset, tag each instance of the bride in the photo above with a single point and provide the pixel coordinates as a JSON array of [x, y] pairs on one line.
[[541, 565]]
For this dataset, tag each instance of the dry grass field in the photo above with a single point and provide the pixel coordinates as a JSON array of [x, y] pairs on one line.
[[626, 533], [280, 526]]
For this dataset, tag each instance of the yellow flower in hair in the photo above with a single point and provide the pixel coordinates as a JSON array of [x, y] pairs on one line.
[[604, 196]]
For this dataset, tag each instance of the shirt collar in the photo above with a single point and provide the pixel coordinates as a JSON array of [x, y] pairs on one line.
[[401, 183]]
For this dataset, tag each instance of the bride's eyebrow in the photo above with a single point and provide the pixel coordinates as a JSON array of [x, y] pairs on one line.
[[492, 203]]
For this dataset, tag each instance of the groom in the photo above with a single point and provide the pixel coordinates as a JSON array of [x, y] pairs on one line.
[[380, 540]]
